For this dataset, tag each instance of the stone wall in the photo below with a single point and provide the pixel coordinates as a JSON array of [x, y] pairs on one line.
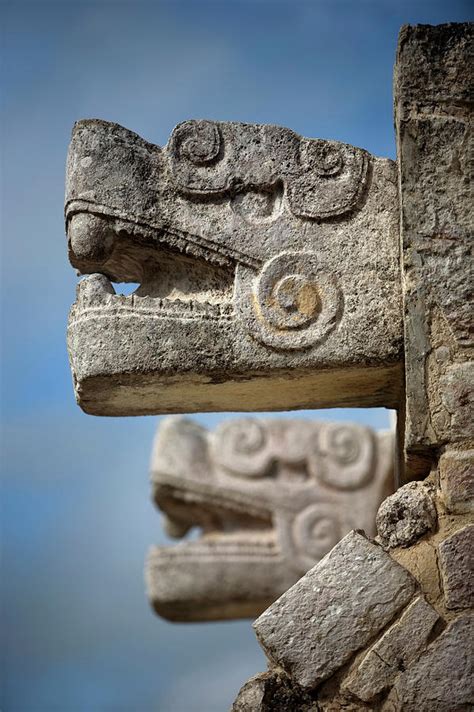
[[388, 624]]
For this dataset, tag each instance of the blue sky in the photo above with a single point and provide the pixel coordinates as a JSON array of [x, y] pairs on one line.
[[77, 520]]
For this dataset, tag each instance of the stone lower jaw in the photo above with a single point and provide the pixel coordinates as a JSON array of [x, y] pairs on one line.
[[129, 363], [210, 580]]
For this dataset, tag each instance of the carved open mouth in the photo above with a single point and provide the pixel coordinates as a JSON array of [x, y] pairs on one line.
[[232, 570], [270, 498], [223, 522], [171, 282], [256, 252]]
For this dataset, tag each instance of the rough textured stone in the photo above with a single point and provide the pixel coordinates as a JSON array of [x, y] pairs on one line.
[[442, 680], [270, 278], [456, 472], [433, 117], [400, 645], [272, 497], [406, 515], [456, 560], [268, 267], [273, 692], [334, 610], [433, 108]]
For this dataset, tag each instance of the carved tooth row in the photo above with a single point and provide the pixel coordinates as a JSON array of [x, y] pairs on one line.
[[96, 287]]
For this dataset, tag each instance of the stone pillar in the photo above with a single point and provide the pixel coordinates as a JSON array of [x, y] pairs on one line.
[[433, 116]]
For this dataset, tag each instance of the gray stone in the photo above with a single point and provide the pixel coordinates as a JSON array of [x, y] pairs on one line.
[[271, 497], [268, 267], [433, 113], [442, 680], [456, 472], [456, 562], [334, 610], [273, 691], [406, 515], [399, 646]]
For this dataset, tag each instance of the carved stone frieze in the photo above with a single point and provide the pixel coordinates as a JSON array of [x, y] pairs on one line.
[[271, 498], [262, 258]]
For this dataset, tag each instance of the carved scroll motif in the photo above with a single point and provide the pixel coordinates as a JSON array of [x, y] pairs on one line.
[[322, 179], [271, 497], [296, 303], [259, 251]]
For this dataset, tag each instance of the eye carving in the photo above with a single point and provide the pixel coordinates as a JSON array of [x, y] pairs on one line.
[[331, 181], [197, 141]]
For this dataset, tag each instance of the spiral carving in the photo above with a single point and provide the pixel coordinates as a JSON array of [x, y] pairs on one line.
[[315, 531], [326, 158], [197, 141], [344, 445], [346, 456], [296, 303], [242, 446]]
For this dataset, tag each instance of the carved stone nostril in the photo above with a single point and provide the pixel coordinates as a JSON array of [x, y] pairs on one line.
[[328, 161], [241, 446], [197, 141], [91, 238]]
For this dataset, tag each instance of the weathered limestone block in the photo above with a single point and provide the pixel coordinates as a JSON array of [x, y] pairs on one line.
[[334, 610], [268, 267], [273, 691], [456, 560], [406, 515], [433, 110], [456, 473], [271, 497], [443, 678], [394, 651]]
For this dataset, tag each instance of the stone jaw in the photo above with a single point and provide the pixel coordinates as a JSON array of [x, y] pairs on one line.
[[262, 258], [271, 497]]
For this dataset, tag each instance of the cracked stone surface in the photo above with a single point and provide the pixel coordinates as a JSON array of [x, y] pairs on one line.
[[406, 515], [442, 680], [433, 115], [399, 646], [334, 610], [456, 472], [456, 559]]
